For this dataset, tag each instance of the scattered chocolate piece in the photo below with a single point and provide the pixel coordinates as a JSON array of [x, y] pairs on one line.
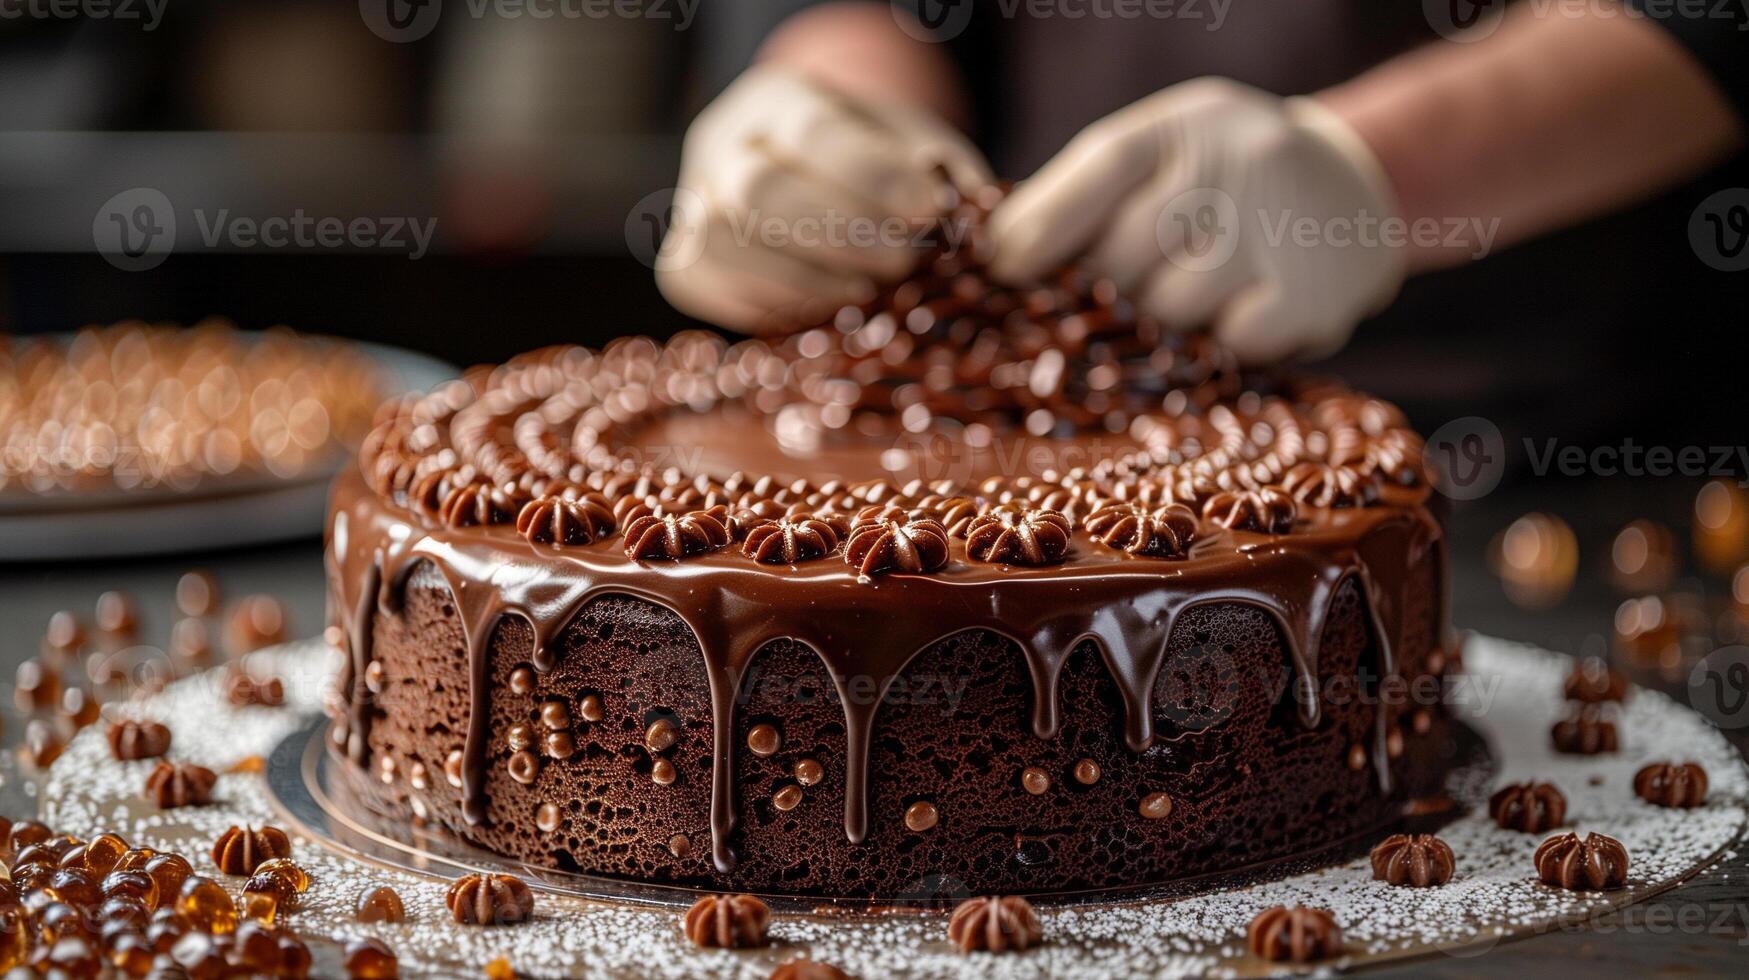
[[563, 522], [244, 690], [197, 593], [895, 542], [173, 784], [994, 924], [524, 766], [1087, 772], [726, 921], [1673, 784], [1294, 935], [380, 904], [1156, 531], [489, 899], [1592, 681], [1417, 860], [920, 816], [64, 635], [1533, 808], [35, 687], [371, 959], [240, 850], [1597, 863], [79, 707], [116, 615], [256, 621], [663, 773], [43, 743], [191, 641], [1010, 536], [661, 735], [673, 537], [1585, 732], [1266, 511], [807, 970], [1035, 780]]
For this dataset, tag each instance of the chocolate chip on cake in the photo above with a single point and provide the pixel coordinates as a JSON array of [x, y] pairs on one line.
[[995, 924], [173, 784], [1086, 772], [1417, 860], [1155, 806], [1165, 531], [489, 899], [1266, 511], [1035, 780], [131, 739], [1529, 807], [920, 816], [1673, 784], [726, 921], [1585, 732], [1596, 863], [763, 739], [1294, 935], [896, 542], [1011, 536]]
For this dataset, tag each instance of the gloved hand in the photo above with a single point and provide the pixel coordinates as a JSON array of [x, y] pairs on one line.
[[1193, 202], [795, 199]]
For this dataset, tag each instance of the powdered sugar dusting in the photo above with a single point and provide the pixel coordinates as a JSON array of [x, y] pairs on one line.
[[1494, 894]]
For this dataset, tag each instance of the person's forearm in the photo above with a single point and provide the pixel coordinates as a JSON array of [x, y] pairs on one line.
[[857, 47], [1550, 120]]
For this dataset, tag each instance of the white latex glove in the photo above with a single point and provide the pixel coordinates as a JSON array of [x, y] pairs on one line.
[[777, 152], [1181, 200]]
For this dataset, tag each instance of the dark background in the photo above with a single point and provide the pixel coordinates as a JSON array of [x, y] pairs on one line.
[[531, 144]]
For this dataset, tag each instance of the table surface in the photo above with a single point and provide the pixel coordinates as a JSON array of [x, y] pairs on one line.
[[1700, 928]]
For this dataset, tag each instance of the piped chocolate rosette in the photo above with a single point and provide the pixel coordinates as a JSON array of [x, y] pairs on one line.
[[1034, 487]]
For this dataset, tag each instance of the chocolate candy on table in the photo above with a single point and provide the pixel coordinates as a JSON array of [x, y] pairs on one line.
[[241, 850], [131, 739], [1593, 863], [371, 959], [1416, 860], [726, 921], [1674, 784], [1529, 807], [174, 784], [996, 924], [1294, 935], [489, 899], [380, 904], [1588, 730]]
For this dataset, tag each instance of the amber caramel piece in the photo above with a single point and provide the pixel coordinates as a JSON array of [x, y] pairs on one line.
[[170, 871], [380, 904], [132, 884], [371, 959], [259, 906], [207, 906]]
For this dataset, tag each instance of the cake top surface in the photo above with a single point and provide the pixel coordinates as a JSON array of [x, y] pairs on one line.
[[1028, 426]]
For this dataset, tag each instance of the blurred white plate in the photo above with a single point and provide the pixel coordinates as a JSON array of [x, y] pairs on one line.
[[254, 513]]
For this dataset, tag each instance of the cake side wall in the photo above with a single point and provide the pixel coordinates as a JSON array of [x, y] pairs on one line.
[[1246, 780]]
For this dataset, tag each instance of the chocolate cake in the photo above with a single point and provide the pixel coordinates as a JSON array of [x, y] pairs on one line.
[[967, 589]]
